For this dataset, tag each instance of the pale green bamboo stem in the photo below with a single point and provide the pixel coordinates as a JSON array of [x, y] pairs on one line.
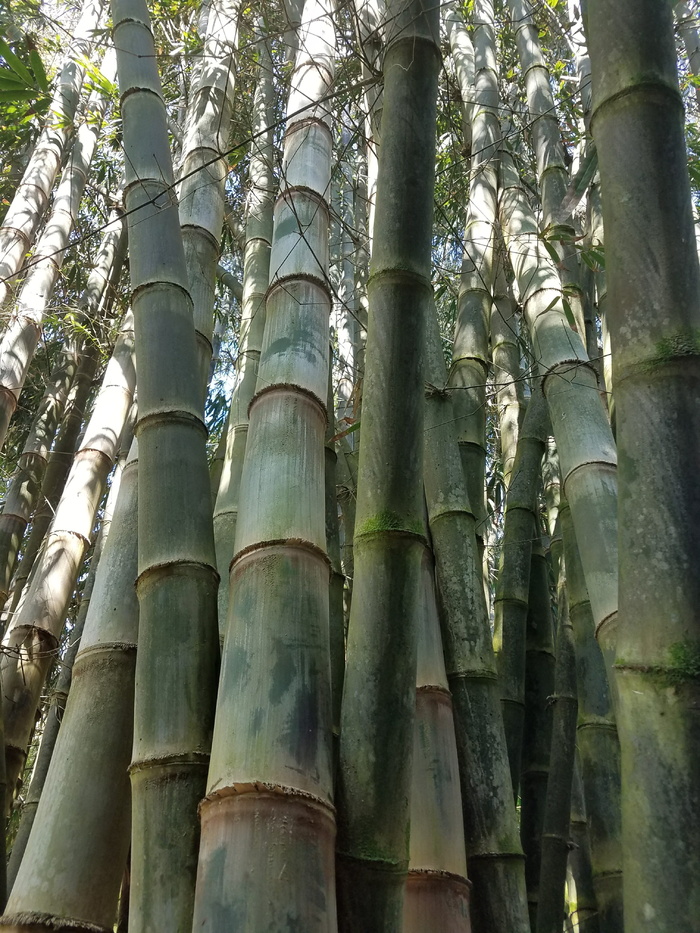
[[597, 741], [267, 813], [379, 695], [203, 168], [498, 903], [654, 319], [470, 353], [510, 386], [23, 492], [178, 657], [336, 615], [74, 861], [57, 705], [31, 647], [31, 199], [21, 336], [579, 421], [256, 276], [437, 889]]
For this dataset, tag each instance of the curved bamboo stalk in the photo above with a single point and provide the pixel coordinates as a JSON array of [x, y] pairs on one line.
[[498, 903], [380, 682], [73, 865], [178, 657], [24, 489], [512, 588], [32, 196], [267, 810], [579, 422], [597, 741], [437, 889], [34, 632], [23, 331], [60, 693], [654, 317], [256, 276]]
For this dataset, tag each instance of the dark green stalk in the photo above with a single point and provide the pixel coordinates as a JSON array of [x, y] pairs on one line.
[[537, 731], [583, 906], [495, 859], [654, 319], [597, 741], [511, 599], [379, 695], [557, 814]]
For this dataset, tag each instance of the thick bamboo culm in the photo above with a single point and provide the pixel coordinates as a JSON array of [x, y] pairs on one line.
[[178, 657], [256, 275], [653, 279], [379, 686], [75, 855], [24, 490], [30, 648], [495, 858], [437, 889], [268, 808], [31, 198]]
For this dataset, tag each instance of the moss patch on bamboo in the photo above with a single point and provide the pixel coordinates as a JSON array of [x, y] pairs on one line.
[[387, 520], [685, 343], [684, 666]]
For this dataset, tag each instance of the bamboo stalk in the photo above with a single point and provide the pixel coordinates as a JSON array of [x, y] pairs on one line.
[[31, 198], [268, 811], [379, 694], [34, 632], [557, 815], [178, 657], [654, 317], [498, 902]]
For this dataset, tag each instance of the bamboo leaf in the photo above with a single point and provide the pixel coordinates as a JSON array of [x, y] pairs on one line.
[[579, 184], [39, 72], [15, 63]]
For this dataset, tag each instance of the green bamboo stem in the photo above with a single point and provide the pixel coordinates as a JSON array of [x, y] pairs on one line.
[[537, 730], [256, 275], [74, 861], [511, 600], [177, 661], [31, 198], [498, 902], [462, 54], [268, 811], [550, 155], [24, 490], [336, 614], [60, 693], [557, 814], [597, 741], [379, 694], [57, 470], [583, 905], [437, 889], [23, 330], [204, 170], [34, 631], [654, 318], [507, 376], [551, 482], [579, 421], [470, 353]]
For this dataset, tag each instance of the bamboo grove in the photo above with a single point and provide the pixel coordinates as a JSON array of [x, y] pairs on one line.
[[350, 411]]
